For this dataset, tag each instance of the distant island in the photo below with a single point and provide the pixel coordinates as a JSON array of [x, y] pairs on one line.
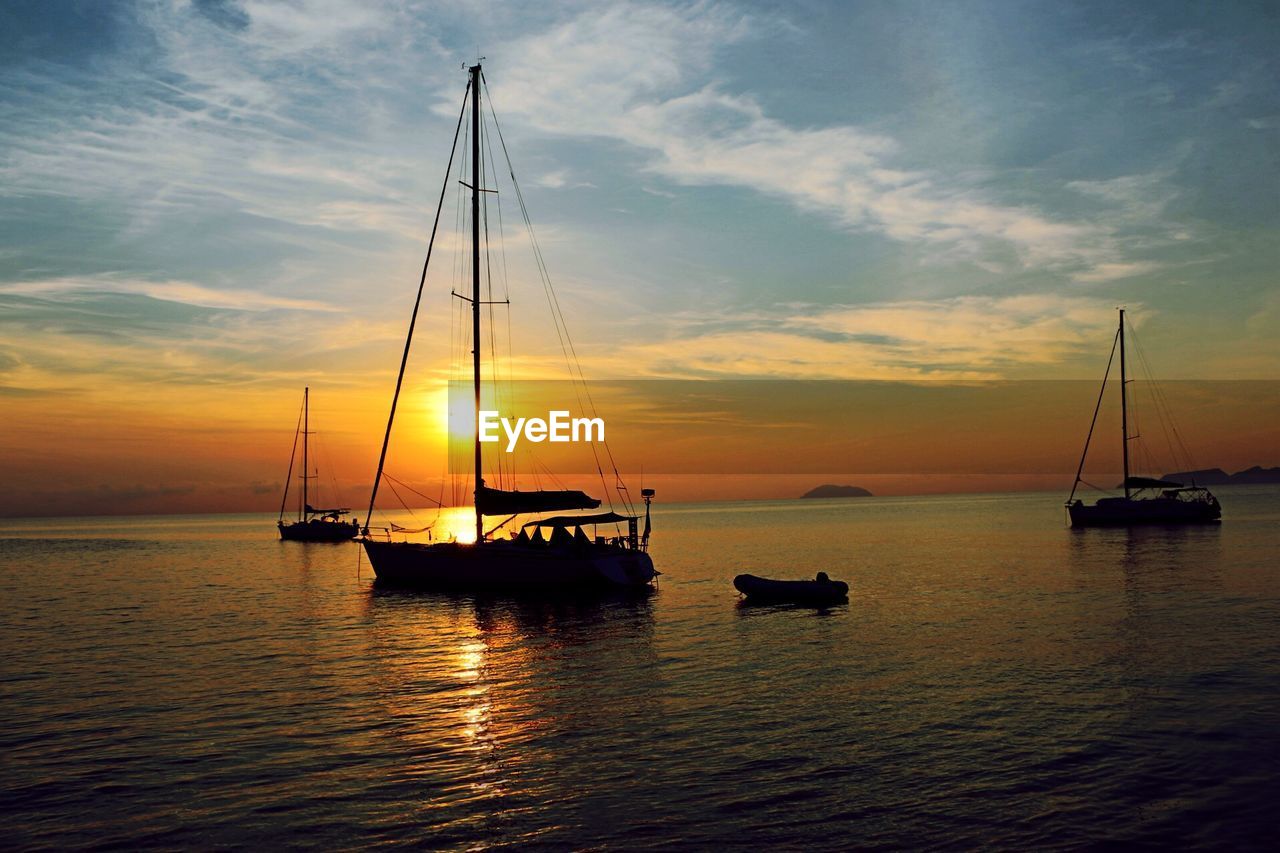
[[1218, 477], [832, 491]]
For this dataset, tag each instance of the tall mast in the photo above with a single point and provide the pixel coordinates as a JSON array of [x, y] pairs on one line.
[[1124, 409], [475, 282], [306, 437]]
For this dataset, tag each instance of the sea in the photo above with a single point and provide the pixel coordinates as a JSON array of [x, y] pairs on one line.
[[995, 680]]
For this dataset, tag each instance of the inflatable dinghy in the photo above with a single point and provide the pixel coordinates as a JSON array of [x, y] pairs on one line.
[[822, 590]]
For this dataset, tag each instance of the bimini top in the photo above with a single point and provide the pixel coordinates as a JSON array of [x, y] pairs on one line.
[[580, 520]]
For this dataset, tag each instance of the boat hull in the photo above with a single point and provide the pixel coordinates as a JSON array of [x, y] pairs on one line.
[[318, 531], [798, 592], [504, 566], [1126, 512]]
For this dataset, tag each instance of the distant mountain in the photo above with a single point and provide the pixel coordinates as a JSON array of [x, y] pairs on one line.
[[1257, 474], [830, 491], [1203, 477], [1218, 477]]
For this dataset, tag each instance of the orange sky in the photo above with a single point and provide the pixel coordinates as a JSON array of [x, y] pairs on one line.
[[199, 223], [176, 450]]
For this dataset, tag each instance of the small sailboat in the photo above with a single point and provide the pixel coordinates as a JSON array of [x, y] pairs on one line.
[[311, 525], [1146, 500], [568, 559]]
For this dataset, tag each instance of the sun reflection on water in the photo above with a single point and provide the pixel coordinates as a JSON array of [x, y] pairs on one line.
[[484, 701]]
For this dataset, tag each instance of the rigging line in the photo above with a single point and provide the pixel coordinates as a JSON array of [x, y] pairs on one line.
[[559, 315], [456, 343], [328, 461], [289, 476], [459, 218], [439, 503], [403, 503], [569, 352], [406, 486], [499, 526], [1188, 460], [572, 361], [555, 480], [413, 318], [488, 272], [553, 300], [502, 233], [1180, 452], [1144, 447], [1177, 434], [506, 282], [461, 367], [1135, 419], [557, 319], [500, 390], [537, 475], [1162, 415], [1093, 422]]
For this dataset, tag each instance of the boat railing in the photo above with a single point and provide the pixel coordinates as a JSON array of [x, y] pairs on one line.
[[1192, 494]]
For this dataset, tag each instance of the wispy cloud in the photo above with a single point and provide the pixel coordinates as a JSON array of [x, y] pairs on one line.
[[1111, 271], [969, 337], [227, 114], [184, 292], [638, 74], [560, 179], [107, 335]]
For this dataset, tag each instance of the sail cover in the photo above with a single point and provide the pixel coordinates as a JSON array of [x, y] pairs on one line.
[[336, 511], [1149, 483], [498, 502], [579, 520]]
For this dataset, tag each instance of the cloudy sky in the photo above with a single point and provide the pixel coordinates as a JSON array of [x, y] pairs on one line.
[[208, 204]]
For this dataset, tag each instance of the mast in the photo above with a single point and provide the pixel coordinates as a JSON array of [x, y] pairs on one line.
[[306, 437], [475, 283], [1124, 409]]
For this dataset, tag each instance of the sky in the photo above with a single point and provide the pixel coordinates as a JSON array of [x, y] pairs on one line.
[[206, 205]]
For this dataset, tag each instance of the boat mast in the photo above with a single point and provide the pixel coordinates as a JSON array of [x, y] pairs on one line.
[[306, 437], [1124, 409], [475, 283]]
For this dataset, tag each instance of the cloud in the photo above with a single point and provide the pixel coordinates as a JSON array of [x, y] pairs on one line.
[[105, 336], [560, 179], [312, 25], [183, 292], [631, 73], [962, 338], [278, 111], [1111, 271]]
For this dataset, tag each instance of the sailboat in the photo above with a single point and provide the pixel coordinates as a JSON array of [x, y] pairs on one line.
[[564, 561], [1146, 500], [311, 525]]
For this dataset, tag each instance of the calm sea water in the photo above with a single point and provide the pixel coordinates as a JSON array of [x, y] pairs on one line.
[[996, 679]]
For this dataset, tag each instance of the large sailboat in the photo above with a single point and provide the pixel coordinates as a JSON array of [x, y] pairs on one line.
[[563, 561], [311, 524], [1146, 500]]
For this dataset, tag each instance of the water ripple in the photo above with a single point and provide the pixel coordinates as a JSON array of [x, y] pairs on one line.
[[193, 683]]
